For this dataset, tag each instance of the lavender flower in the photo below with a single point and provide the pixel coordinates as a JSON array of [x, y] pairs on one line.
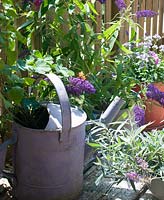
[[139, 114], [120, 4], [102, 1], [146, 13], [78, 86], [143, 56], [142, 163], [154, 56], [133, 176]]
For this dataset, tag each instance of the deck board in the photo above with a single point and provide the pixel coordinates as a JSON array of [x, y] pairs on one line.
[[105, 190]]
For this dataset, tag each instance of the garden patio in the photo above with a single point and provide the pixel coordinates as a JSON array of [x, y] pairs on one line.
[[82, 99]]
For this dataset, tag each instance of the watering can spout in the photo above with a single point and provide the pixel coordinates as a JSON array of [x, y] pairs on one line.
[[112, 110]]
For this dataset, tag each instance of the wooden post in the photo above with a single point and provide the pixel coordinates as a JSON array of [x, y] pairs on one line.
[[154, 24], [142, 19], [108, 13], [161, 21], [149, 6]]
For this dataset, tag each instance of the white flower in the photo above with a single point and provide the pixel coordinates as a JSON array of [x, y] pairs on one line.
[[161, 48], [156, 37], [155, 47]]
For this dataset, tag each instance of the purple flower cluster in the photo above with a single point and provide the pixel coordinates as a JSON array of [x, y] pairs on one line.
[[146, 13], [78, 86], [154, 56], [133, 176], [139, 115], [120, 4], [142, 163], [36, 3], [102, 1], [155, 94]]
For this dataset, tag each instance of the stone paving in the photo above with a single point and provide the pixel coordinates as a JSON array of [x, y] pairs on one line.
[[104, 191]]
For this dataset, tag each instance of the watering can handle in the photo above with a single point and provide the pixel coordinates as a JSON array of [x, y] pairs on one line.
[[64, 104]]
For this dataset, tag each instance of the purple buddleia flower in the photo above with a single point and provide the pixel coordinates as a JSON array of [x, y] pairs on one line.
[[139, 115], [37, 4], [120, 4], [78, 86], [146, 13], [102, 1], [133, 176], [142, 163], [153, 92]]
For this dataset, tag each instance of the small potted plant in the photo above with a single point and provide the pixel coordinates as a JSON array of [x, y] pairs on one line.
[[57, 143], [142, 76], [126, 152]]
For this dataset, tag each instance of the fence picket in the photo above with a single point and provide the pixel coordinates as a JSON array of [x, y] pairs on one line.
[[155, 21], [161, 21]]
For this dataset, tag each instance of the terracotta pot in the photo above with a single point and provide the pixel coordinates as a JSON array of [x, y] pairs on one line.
[[154, 111]]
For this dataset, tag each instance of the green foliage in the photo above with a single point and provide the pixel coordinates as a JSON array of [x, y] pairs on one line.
[[141, 65], [124, 148], [58, 37]]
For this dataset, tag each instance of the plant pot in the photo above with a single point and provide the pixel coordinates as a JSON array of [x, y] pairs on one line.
[[154, 111], [49, 163], [156, 186]]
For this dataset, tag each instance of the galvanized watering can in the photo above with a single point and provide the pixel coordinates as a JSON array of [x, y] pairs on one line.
[[48, 164]]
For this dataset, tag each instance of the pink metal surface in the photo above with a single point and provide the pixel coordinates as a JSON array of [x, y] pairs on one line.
[[49, 164]]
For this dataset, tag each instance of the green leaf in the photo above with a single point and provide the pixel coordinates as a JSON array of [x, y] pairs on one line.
[[79, 4], [16, 94], [91, 6], [37, 53], [7, 104], [11, 57], [124, 49], [113, 40], [42, 67], [2, 64], [110, 31], [94, 145], [28, 81], [30, 103], [24, 25], [11, 12]]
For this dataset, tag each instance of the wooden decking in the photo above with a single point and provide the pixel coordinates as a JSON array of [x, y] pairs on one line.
[[105, 190]]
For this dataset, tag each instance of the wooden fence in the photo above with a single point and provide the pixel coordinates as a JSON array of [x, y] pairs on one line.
[[107, 12], [151, 26]]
